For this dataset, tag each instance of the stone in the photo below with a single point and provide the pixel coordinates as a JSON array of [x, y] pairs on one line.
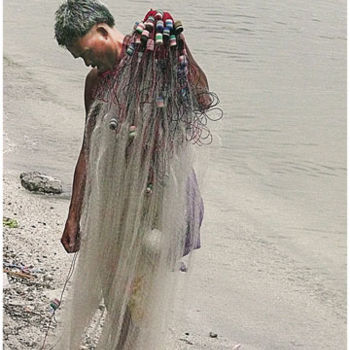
[[36, 182], [183, 267], [5, 281], [213, 335], [48, 278]]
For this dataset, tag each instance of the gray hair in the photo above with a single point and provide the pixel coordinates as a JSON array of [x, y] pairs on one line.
[[74, 18]]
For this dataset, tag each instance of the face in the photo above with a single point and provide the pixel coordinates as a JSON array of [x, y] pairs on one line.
[[96, 48]]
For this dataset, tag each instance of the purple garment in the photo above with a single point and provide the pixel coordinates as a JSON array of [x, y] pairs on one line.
[[194, 214]]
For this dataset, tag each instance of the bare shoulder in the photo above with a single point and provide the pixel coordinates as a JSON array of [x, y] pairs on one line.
[[91, 82], [90, 85]]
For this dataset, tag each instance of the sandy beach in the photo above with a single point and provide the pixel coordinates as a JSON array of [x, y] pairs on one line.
[[271, 273]]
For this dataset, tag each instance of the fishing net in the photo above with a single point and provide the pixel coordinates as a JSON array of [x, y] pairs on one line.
[[142, 208]]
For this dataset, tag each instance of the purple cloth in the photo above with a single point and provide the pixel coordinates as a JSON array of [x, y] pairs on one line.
[[194, 214]]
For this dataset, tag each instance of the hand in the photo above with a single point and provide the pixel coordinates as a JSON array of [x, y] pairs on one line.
[[71, 236], [204, 101]]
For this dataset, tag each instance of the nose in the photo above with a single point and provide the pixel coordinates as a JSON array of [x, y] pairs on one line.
[[87, 62]]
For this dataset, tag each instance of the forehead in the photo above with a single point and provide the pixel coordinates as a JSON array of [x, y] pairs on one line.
[[81, 44]]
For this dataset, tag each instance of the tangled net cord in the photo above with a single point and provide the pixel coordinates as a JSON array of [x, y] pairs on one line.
[[69, 275], [182, 100], [201, 117], [198, 131]]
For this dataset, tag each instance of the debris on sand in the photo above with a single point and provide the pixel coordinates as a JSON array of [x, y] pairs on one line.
[[186, 341], [8, 222], [18, 274]]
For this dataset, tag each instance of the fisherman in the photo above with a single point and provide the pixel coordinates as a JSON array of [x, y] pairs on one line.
[[87, 29]]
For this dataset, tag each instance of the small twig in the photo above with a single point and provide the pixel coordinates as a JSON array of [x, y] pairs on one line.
[[186, 341], [18, 274]]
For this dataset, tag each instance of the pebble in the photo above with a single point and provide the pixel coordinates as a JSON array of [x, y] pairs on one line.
[[213, 335], [5, 282], [48, 278], [183, 267]]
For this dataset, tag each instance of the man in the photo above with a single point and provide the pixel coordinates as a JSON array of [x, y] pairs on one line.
[[125, 252], [86, 29]]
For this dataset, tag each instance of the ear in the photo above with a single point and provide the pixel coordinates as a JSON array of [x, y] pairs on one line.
[[102, 30]]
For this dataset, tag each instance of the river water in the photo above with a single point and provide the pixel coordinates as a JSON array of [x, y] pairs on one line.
[[277, 171]]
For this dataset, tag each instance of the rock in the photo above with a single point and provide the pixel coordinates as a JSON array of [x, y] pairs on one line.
[[6, 318], [37, 182], [48, 278], [17, 303], [183, 267], [213, 335], [5, 281]]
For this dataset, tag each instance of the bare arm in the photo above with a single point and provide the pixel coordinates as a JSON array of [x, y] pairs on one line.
[[70, 237], [198, 81]]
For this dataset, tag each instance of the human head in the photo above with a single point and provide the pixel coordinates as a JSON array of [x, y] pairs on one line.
[[74, 18], [86, 29]]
